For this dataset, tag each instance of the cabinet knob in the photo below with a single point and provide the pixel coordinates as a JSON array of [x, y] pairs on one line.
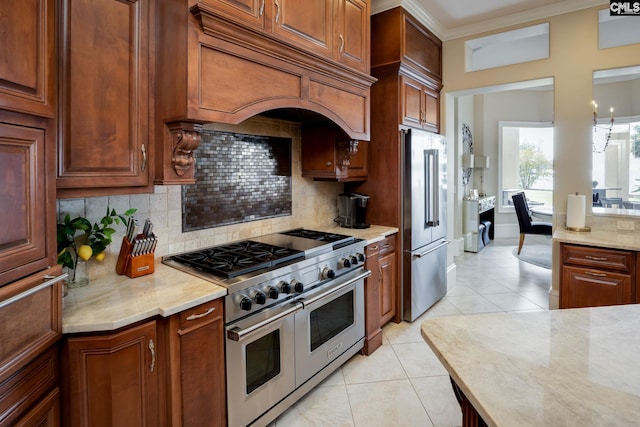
[[328, 163]]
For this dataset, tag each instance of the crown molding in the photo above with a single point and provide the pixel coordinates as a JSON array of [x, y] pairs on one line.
[[418, 11]]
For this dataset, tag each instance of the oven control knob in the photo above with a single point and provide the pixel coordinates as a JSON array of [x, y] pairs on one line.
[[354, 260], [344, 262], [245, 303], [360, 257], [285, 288], [297, 286], [259, 297], [328, 273], [273, 292]]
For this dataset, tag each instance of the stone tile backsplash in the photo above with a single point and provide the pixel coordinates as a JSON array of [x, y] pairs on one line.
[[314, 204]]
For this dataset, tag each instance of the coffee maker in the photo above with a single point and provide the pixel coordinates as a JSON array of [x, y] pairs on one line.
[[352, 210]]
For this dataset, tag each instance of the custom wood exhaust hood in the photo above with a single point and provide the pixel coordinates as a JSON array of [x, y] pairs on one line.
[[217, 62]]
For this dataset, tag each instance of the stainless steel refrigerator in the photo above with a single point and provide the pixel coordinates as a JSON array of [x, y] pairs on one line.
[[424, 186]]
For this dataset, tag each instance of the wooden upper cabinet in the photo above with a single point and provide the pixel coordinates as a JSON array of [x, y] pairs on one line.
[[104, 112], [27, 80], [353, 34], [27, 242], [420, 106], [398, 37], [305, 23], [247, 12]]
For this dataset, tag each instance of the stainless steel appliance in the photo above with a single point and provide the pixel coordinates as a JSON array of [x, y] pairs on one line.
[[424, 221], [293, 314], [352, 210]]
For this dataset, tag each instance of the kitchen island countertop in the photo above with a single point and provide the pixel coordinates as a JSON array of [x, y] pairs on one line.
[[627, 240], [559, 367]]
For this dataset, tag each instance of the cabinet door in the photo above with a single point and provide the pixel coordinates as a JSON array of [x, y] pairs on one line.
[[248, 12], [353, 34], [23, 211], [104, 114], [582, 287], [196, 346], [373, 332], [306, 23], [430, 109], [27, 80], [388, 285], [112, 379], [411, 102]]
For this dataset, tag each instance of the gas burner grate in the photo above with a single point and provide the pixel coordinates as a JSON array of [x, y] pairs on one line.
[[238, 258]]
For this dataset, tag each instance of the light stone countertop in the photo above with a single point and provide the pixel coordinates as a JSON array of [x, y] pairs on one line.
[[575, 367], [628, 240], [113, 301]]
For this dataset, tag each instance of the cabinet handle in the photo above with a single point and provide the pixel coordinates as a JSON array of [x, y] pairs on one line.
[[152, 349], [379, 274], [277, 11], [341, 44], [262, 8], [144, 158], [386, 245], [595, 258], [589, 273], [201, 315], [49, 280]]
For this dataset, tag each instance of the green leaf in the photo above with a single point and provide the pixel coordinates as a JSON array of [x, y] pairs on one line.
[[131, 211]]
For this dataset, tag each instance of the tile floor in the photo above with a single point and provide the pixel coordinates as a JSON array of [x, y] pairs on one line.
[[403, 383]]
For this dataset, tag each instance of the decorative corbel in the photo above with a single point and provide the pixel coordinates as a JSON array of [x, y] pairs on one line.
[[348, 149], [185, 138]]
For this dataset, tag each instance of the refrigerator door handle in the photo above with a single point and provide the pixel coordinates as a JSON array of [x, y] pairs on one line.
[[432, 208], [442, 243]]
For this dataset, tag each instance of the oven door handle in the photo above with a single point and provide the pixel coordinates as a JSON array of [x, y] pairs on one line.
[[337, 288], [238, 334]]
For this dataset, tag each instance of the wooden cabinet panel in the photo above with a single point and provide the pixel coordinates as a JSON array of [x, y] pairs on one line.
[[112, 379], [373, 330], [431, 110], [248, 12], [306, 23], [353, 34], [591, 288], [411, 96], [30, 318], [421, 48], [45, 414], [197, 391], [25, 389], [388, 284], [24, 209], [104, 114], [27, 80], [592, 276]]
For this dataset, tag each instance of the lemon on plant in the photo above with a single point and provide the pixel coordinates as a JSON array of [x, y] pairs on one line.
[[85, 252], [100, 256]]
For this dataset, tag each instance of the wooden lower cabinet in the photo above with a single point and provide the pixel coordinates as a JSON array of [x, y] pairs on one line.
[[592, 277], [196, 392], [112, 379], [380, 291]]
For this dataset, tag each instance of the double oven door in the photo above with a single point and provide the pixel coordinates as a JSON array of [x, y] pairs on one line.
[[272, 353]]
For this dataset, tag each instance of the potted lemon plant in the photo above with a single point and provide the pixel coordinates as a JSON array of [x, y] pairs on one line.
[[74, 248]]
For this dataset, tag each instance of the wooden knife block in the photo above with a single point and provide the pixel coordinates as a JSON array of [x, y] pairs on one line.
[[134, 266]]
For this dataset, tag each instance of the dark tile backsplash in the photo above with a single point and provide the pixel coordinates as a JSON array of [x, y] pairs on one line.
[[239, 178]]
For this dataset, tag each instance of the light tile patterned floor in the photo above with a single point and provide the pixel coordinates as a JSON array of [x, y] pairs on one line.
[[403, 383]]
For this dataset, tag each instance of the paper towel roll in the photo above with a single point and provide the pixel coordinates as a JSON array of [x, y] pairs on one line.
[[575, 210]]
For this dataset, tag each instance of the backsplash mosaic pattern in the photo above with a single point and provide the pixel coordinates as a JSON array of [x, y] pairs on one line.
[[239, 178]]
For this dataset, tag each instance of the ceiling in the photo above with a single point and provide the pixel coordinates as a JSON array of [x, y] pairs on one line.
[[450, 19]]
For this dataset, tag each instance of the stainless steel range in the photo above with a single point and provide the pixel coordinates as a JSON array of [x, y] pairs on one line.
[[293, 314]]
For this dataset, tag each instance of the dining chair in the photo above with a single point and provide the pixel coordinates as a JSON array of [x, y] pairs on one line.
[[527, 226]]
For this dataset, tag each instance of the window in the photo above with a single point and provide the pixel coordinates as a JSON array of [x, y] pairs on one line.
[[526, 163], [616, 164]]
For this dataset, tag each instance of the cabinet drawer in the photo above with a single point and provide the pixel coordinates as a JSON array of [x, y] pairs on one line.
[[385, 245], [30, 318], [24, 388], [584, 287], [201, 314], [609, 259]]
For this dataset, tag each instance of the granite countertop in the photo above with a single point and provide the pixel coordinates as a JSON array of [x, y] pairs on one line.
[[627, 240], [113, 301], [561, 367]]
